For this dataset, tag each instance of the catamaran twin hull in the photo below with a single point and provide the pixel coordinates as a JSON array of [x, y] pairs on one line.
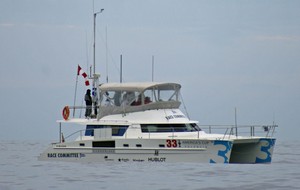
[[142, 122], [170, 150]]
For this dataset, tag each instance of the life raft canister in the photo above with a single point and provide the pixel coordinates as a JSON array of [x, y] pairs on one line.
[[66, 112]]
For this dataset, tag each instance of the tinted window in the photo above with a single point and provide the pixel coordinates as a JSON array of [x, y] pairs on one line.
[[159, 128], [116, 129]]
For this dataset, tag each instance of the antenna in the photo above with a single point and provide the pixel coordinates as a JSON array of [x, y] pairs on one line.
[[87, 51], [152, 68], [235, 119], [106, 54], [121, 69]]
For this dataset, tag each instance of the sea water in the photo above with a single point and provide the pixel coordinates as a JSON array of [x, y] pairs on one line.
[[20, 170]]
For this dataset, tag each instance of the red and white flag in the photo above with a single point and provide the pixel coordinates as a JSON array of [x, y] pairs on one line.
[[82, 73]]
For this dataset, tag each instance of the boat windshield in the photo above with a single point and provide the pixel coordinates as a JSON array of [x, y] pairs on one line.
[[119, 98], [161, 128], [136, 98]]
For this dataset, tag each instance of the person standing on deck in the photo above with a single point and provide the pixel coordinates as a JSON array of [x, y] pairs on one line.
[[88, 103]]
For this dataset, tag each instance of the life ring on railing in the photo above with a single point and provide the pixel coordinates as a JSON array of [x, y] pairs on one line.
[[66, 112]]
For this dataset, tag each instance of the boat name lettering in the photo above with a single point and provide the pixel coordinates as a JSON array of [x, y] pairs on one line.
[[51, 155], [168, 117], [155, 159], [68, 155], [65, 155]]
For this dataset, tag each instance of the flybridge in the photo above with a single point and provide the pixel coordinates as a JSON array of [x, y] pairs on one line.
[[122, 98]]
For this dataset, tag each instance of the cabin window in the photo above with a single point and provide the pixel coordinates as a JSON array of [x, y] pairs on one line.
[[117, 130], [167, 95], [120, 98], [136, 97], [149, 96], [159, 94], [104, 144], [161, 128]]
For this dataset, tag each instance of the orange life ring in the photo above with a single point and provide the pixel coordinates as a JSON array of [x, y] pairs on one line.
[[66, 112]]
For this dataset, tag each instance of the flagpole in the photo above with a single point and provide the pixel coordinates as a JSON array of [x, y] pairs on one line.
[[75, 92]]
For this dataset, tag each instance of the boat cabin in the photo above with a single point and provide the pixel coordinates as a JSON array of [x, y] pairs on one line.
[[122, 98]]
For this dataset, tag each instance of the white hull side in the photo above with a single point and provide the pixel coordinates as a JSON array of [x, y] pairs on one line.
[[212, 152]]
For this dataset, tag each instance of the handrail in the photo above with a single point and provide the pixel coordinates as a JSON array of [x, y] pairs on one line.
[[104, 110], [268, 130]]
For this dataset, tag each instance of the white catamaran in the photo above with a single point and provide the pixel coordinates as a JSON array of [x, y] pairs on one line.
[[142, 122]]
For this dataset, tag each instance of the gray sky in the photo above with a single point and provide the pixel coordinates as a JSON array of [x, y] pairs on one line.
[[226, 54]]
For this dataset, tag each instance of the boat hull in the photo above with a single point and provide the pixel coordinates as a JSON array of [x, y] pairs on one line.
[[252, 151], [202, 151], [246, 151]]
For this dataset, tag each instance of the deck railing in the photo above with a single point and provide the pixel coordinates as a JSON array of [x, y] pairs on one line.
[[241, 130], [228, 132], [104, 110]]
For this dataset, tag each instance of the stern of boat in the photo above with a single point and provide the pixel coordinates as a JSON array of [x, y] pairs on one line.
[[251, 151]]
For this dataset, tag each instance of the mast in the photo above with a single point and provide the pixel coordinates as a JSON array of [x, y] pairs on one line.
[[152, 68], [95, 77], [94, 45], [121, 69]]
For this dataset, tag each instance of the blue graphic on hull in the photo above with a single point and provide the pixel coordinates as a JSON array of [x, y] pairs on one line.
[[266, 149], [222, 153]]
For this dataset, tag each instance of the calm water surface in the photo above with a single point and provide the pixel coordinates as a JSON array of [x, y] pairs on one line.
[[19, 169]]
